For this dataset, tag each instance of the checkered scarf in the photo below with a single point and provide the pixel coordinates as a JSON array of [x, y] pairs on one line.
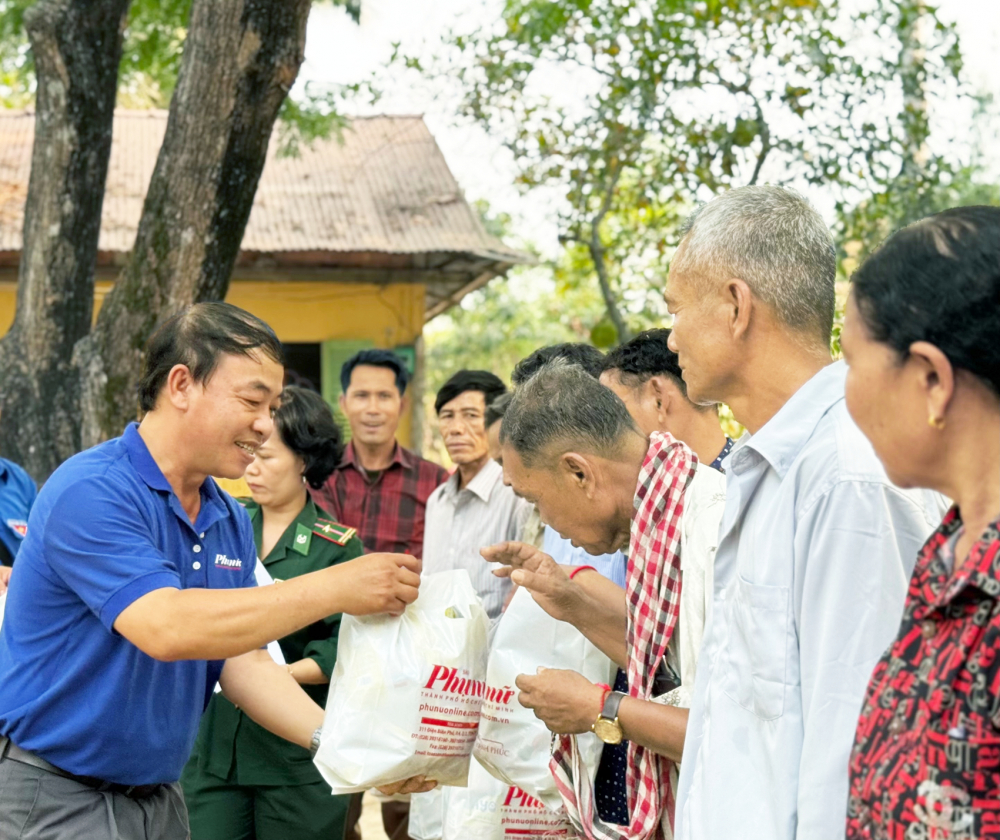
[[653, 591]]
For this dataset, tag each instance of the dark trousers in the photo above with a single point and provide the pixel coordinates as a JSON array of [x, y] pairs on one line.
[[222, 810], [40, 805], [395, 819]]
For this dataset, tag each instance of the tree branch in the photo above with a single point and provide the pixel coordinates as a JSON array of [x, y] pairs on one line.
[[596, 250], [765, 130]]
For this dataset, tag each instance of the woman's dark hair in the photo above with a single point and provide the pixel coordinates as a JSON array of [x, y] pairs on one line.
[[939, 281], [197, 337], [488, 384], [375, 358], [306, 425]]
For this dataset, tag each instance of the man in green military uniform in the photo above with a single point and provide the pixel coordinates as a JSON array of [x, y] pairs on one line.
[[242, 782]]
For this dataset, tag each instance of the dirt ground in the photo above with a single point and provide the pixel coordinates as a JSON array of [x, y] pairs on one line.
[[371, 819]]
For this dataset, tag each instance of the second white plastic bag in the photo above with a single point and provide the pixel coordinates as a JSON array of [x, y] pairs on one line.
[[406, 692], [489, 809], [512, 743]]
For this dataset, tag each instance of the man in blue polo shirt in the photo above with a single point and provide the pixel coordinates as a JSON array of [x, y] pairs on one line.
[[134, 594], [17, 495]]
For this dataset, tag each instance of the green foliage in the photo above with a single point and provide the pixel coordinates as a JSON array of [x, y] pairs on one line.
[[910, 197], [151, 56], [636, 111], [497, 326]]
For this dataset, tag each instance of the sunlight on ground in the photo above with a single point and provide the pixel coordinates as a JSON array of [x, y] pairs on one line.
[[371, 819]]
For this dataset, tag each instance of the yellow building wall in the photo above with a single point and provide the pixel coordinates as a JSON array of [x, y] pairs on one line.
[[308, 311]]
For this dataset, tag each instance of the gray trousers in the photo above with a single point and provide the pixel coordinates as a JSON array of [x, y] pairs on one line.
[[38, 805]]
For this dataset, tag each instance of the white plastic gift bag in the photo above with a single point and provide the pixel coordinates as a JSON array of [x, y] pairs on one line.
[[489, 809], [3, 598], [405, 692], [512, 743], [427, 813]]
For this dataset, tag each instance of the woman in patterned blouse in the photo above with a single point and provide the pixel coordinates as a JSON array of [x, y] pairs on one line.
[[922, 338]]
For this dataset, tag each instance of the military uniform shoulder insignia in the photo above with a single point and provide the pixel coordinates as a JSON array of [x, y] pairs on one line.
[[333, 531], [303, 539]]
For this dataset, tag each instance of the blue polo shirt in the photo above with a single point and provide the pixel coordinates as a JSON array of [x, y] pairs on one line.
[[105, 530], [17, 494]]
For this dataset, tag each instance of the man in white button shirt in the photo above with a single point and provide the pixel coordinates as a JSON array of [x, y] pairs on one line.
[[816, 545], [473, 508]]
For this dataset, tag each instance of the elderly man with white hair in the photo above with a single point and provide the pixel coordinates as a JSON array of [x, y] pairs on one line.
[[816, 544]]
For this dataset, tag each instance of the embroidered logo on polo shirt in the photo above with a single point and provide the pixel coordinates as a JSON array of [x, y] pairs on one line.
[[18, 526], [223, 562]]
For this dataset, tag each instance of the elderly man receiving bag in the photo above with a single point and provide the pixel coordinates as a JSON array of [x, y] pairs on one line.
[[571, 447]]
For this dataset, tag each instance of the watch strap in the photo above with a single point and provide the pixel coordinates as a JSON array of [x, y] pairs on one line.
[[611, 704]]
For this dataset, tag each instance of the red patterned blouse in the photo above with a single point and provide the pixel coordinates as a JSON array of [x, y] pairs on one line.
[[926, 758]]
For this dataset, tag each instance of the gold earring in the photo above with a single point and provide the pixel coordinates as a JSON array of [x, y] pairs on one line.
[[935, 422]]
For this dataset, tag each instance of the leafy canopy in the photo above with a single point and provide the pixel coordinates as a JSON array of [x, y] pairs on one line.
[[151, 57], [637, 109]]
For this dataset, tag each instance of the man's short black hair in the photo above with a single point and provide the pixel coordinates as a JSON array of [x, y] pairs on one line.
[[496, 409], [644, 357], [483, 381], [647, 355], [585, 355], [376, 358], [197, 337], [306, 426]]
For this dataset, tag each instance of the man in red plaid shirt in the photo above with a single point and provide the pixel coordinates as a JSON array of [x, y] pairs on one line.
[[381, 489]]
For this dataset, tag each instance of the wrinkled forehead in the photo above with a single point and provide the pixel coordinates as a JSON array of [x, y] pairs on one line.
[[690, 277]]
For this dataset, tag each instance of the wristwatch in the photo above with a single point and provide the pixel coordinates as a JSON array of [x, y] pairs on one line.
[[314, 743], [607, 727]]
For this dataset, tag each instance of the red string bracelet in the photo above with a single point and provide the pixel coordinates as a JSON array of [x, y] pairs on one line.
[[579, 569], [606, 688]]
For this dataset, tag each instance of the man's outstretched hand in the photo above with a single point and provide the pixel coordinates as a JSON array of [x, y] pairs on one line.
[[537, 572], [380, 583], [415, 784]]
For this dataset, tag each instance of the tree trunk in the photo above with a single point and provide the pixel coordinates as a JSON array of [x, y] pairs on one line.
[[77, 46], [241, 57]]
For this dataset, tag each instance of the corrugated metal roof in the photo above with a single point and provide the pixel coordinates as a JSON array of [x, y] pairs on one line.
[[385, 188]]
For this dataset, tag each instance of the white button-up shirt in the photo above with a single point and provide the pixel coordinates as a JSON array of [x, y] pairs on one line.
[[815, 551], [460, 522]]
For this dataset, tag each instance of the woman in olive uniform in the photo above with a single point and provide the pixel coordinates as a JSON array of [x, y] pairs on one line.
[[242, 782]]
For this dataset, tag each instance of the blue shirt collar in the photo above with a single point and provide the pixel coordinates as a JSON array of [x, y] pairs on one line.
[[783, 436], [212, 508], [142, 461]]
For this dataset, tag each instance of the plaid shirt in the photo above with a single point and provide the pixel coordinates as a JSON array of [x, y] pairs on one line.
[[926, 759], [389, 512], [653, 593]]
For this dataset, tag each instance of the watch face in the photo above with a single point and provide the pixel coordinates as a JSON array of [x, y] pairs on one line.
[[608, 731]]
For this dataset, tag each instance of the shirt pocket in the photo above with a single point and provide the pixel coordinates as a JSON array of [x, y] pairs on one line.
[[758, 648]]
